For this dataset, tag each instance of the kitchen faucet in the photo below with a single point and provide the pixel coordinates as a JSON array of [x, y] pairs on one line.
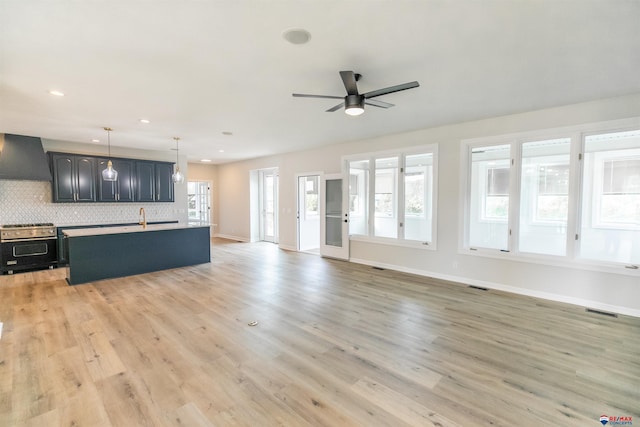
[[144, 218]]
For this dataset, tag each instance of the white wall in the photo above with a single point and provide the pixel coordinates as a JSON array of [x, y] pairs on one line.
[[607, 291]]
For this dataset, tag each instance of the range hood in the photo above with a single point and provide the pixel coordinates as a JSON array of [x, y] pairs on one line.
[[22, 158]]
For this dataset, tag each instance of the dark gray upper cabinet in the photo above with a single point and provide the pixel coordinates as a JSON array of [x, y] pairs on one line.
[[145, 181], [121, 190], [164, 182], [74, 178], [78, 178], [154, 183]]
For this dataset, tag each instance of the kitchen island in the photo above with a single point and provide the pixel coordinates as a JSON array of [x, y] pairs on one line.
[[109, 252]]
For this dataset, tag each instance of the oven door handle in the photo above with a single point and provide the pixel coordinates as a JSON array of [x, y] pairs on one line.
[[28, 240]]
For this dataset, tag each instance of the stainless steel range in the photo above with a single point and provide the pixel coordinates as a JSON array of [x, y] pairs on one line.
[[27, 246]]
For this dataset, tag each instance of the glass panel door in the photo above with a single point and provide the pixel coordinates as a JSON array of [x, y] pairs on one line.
[[335, 221]]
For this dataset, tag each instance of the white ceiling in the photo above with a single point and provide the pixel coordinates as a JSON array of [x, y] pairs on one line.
[[196, 69]]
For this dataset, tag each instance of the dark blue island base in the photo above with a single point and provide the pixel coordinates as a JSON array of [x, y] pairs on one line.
[[106, 255]]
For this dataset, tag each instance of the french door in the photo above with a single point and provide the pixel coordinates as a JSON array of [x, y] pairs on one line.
[[199, 199], [334, 224]]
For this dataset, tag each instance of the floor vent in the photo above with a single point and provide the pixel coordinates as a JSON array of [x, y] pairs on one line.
[[480, 288], [378, 268], [602, 313]]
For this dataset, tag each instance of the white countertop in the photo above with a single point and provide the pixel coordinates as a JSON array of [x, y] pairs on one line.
[[96, 231]]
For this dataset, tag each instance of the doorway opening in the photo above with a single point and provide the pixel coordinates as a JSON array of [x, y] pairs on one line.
[[309, 213]]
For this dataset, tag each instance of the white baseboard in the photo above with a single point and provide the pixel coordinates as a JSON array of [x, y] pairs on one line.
[[506, 288], [287, 247], [230, 237]]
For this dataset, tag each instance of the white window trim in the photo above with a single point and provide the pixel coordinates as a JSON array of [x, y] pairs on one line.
[[572, 258]]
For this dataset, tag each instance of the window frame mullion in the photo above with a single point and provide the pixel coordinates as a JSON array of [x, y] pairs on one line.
[[515, 176], [400, 199]]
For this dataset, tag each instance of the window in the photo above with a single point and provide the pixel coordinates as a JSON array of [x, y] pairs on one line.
[[358, 196], [418, 190], [534, 198], [311, 197], [496, 200], [399, 200], [553, 192], [610, 228], [489, 204], [620, 190], [386, 182], [544, 196]]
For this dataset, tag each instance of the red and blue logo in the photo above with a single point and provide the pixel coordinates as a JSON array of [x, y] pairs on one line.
[[616, 421]]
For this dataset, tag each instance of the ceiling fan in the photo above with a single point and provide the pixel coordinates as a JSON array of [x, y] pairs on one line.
[[354, 102]]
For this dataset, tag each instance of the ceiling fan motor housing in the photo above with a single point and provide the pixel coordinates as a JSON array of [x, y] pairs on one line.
[[353, 101]]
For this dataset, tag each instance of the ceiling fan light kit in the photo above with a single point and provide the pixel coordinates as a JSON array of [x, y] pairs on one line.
[[354, 102], [354, 105]]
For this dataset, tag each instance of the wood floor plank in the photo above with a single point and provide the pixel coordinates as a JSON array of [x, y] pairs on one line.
[[100, 357], [125, 404], [188, 415], [336, 344], [400, 405]]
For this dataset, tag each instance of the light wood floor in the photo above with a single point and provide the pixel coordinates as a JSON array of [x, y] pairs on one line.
[[337, 344]]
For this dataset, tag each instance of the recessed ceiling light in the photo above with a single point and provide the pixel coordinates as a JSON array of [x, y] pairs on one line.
[[220, 151], [95, 140], [205, 160], [56, 93], [226, 132], [145, 121], [296, 36]]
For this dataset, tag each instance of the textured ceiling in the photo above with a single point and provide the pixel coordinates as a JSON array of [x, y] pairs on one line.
[[197, 69]]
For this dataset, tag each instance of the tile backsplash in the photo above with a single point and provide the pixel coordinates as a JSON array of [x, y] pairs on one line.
[[24, 202]]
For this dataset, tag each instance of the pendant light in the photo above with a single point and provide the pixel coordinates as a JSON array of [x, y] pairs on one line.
[[178, 176], [109, 174]]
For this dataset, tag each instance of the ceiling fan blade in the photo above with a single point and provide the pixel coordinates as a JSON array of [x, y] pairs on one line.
[[377, 103], [335, 108], [349, 80], [302, 95], [391, 89]]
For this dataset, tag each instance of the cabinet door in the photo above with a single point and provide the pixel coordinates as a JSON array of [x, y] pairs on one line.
[[164, 183], [85, 179], [107, 190], [145, 182], [63, 178], [120, 190], [126, 179]]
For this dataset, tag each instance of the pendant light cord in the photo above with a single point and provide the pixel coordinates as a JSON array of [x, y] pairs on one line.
[[109, 140], [177, 152]]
